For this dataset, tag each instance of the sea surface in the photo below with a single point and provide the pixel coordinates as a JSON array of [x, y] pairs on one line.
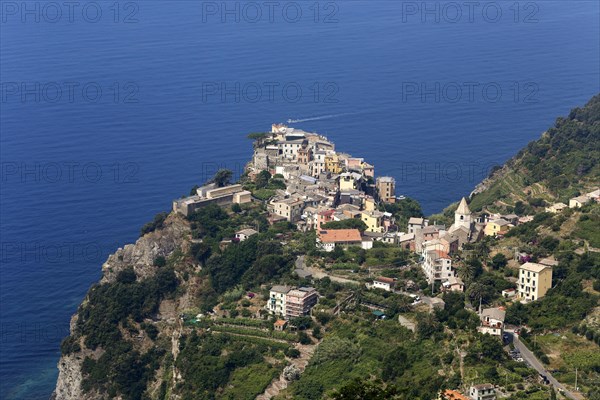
[[111, 109]]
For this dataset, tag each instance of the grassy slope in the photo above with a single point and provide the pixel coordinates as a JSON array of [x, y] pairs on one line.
[[563, 162]]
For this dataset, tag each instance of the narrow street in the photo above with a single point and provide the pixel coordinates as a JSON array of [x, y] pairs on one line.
[[539, 367]]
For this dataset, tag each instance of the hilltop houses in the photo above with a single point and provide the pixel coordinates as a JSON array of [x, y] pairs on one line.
[[580, 201], [322, 185]]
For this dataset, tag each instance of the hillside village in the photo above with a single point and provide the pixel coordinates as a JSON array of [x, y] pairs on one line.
[[310, 278], [339, 198]]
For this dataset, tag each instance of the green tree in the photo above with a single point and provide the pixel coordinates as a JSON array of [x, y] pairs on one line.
[[359, 389], [262, 179], [499, 261], [222, 177]]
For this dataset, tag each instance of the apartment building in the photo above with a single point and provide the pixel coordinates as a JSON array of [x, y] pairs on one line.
[[299, 302], [276, 303], [437, 265], [386, 187], [534, 281]]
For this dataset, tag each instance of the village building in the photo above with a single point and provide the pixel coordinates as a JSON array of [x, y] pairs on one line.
[[492, 321], [384, 283], [276, 303], [428, 234], [332, 163], [579, 201], [328, 240], [386, 189], [453, 284], [244, 234], [280, 325], [373, 220], [534, 281], [449, 394], [288, 208], [415, 223], [556, 208], [406, 241], [211, 194], [509, 293], [497, 227], [349, 181], [300, 301], [484, 391], [437, 265]]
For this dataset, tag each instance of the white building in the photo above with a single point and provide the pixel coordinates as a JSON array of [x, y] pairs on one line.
[[453, 284], [437, 265], [276, 303], [463, 216], [415, 223], [484, 391], [245, 234], [384, 283], [579, 201], [492, 321]]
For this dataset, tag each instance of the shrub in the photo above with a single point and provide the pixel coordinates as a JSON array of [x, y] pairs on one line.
[[160, 261]]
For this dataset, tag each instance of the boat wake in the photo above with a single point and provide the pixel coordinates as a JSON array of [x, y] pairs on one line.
[[317, 118]]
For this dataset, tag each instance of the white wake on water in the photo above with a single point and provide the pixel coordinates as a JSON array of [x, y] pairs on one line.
[[317, 118]]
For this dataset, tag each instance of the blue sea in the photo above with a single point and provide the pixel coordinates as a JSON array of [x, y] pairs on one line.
[[111, 109]]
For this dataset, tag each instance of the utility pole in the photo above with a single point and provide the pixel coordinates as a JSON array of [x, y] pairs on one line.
[[576, 388]]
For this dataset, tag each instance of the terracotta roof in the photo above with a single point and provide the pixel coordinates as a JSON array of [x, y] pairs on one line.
[[385, 279], [280, 322], [453, 395], [340, 235], [441, 254]]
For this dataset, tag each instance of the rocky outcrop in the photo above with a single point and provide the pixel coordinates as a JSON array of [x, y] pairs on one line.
[[141, 255]]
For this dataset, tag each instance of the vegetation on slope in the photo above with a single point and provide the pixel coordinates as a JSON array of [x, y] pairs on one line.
[[559, 165]]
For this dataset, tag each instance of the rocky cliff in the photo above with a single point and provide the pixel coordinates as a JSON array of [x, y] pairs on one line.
[[173, 236]]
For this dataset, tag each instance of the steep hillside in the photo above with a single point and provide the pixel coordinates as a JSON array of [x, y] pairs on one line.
[[563, 162]]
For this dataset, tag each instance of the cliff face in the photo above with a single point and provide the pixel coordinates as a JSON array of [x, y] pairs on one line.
[[174, 235]]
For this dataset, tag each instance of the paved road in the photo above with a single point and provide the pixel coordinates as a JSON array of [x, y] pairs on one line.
[[539, 367], [318, 273]]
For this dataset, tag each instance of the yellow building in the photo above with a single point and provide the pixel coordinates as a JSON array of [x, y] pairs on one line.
[[369, 204], [497, 227], [332, 164], [534, 281], [386, 188], [373, 220]]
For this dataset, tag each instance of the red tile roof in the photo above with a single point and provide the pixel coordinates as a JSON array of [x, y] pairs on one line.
[[453, 395], [340, 235], [385, 279]]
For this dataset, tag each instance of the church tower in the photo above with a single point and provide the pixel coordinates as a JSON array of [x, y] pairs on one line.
[[462, 215]]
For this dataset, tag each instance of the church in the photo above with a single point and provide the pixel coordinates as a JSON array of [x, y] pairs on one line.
[[466, 228]]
